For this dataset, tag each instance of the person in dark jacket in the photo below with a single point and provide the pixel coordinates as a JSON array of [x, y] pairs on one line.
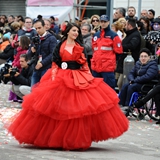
[[49, 29], [151, 16], [141, 28], [10, 19], [22, 81], [131, 13], [87, 40], [8, 53], [54, 26], [27, 29], [144, 71], [131, 43], [42, 53]]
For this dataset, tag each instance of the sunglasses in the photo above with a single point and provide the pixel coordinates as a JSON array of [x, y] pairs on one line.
[[95, 20]]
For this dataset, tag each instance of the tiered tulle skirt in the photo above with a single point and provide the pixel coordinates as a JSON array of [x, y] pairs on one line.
[[59, 115]]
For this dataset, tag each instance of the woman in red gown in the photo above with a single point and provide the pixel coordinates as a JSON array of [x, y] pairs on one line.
[[69, 108]]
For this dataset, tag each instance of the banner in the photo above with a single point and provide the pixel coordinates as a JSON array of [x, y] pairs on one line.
[[60, 13], [50, 3]]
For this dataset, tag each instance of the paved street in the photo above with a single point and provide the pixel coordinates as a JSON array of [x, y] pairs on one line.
[[141, 142]]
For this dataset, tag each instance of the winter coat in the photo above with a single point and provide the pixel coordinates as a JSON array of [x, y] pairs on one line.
[[132, 42], [55, 28], [7, 53], [143, 73], [4, 45], [105, 44], [24, 78], [45, 49], [87, 39], [16, 62], [29, 33]]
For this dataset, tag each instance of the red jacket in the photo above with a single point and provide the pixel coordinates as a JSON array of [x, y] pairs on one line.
[[105, 45], [16, 62]]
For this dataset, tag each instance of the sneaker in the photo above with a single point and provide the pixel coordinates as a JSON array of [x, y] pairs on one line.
[[130, 111], [158, 122], [125, 108], [20, 101], [15, 100]]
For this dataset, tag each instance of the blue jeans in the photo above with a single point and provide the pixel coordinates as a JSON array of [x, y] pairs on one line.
[[127, 91], [36, 76], [108, 77]]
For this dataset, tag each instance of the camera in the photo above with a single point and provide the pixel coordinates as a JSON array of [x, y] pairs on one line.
[[13, 71], [33, 60], [4, 70], [36, 41]]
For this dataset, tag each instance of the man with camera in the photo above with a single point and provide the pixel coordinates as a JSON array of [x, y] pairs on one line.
[[41, 51], [21, 80]]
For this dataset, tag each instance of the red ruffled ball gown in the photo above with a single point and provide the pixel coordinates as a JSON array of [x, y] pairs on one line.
[[69, 109]]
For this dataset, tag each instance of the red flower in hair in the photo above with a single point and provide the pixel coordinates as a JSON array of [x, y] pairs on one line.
[[63, 26]]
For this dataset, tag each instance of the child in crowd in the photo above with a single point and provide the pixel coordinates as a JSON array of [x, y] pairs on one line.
[[22, 49], [5, 41]]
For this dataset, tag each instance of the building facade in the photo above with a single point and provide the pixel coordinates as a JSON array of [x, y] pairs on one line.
[[13, 7]]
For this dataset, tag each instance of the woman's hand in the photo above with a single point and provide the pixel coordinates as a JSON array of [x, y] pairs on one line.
[[33, 49], [38, 66]]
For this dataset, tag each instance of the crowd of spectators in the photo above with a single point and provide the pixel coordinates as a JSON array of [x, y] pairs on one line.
[[133, 33]]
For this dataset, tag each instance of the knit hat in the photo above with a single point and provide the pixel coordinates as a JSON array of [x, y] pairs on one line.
[[7, 35], [153, 12], [146, 50]]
